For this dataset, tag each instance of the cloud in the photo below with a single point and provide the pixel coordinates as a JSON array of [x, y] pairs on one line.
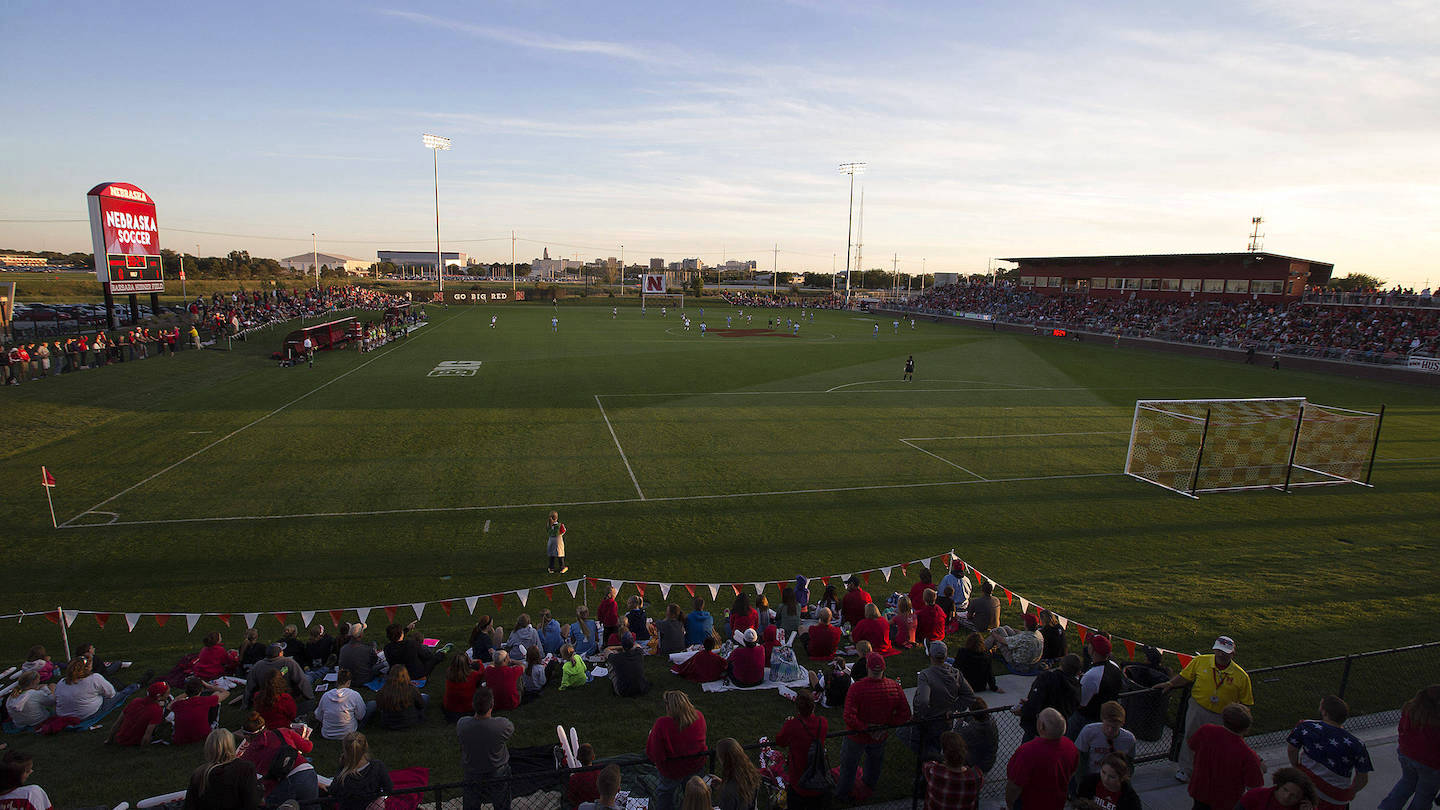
[[525, 39]]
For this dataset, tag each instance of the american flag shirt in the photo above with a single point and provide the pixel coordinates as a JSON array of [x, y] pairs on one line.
[[1330, 752]]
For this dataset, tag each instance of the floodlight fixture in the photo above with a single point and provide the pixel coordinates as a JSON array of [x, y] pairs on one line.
[[438, 144], [435, 142]]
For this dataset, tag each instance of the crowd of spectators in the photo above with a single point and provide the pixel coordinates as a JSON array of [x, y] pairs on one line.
[[1078, 744], [763, 300], [1371, 333]]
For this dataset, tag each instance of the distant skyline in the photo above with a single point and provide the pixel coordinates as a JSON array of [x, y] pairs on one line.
[[1032, 129]]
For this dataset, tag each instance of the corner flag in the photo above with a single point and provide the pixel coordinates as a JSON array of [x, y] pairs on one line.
[[46, 479]]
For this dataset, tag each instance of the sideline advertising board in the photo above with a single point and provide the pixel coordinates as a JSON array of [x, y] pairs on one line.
[[483, 297], [125, 238], [1418, 362]]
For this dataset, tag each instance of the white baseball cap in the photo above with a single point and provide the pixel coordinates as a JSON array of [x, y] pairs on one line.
[[1225, 644]]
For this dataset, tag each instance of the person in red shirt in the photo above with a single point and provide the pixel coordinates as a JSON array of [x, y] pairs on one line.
[[929, 619], [902, 625], [504, 680], [747, 662], [195, 712], [274, 702], [952, 784], [874, 629], [875, 700], [676, 746], [823, 639], [1419, 752], [141, 717], [917, 591], [1290, 788], [1108, 788], [609, 613], [798, 734], [742, 617], [214, 659], [1038, 775], [704, 666], [584, 786], [261, 745], [460, 682], [852, 605], [1225, 766]]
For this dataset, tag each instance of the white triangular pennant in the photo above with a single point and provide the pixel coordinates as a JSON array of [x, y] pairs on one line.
[[759, 587], [306, 616], [470, 603], [714, 591], [886, 571], [524, 594], [364, 614], [617, 584], [664, 590], [573, 585], [1064, 622], [70, 617], [419, 608], [131, 619], [1024, 605], [250, 619], [190, 620]]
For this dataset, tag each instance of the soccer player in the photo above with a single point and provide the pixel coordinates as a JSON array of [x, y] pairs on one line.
[[876, 332], [912, 324], [812, 316], [310, 351], [613, 312], [554, 323], [727, 321], [493, 319], [702, 329], [796, 329], [664, 311], [909, 368], [895, 326]]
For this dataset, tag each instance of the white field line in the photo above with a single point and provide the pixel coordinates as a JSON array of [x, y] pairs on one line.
[[979, 382], [1417, 458], [1019, 435], [904, 390], [612, 501], [611, 427], [942, 458], [240, 429]]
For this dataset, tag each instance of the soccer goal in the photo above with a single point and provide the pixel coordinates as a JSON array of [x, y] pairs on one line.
[[1214, 445]]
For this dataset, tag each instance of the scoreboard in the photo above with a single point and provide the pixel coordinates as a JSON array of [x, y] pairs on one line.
[[123, 231]]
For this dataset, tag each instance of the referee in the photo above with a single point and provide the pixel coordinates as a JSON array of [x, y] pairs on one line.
[[909, 368]]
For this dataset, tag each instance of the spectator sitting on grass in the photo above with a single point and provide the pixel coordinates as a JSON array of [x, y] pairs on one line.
[[975, 664], [902, 625], [704, 666], [274, 702], [637, 620], [747, 660], [214, 660], [406, 651], [223, 780], [584, 633], [917, 591], [482, 640], [946, 602], [852, 606], [829, 601], [289, 641], [1020, 649], [982, 612], [196, 712], [608, 613], [1053, 636], [260, 747], [252, 650], [38, 661], [320, 647], [585, 785], [627, 668], [361, 780], [699, 624], [764, 615], [276, 662], [461, 681], [1097, 741], [522, 638], [341, 711], [671, 631], [358, 656], [742, 617], [929, 618], [873, 701], [31, 704], [607, 784], [534, 675], [739, 780], [83, 694], [141, 717], [822, 640], [957, 582], [503, 678], [573, 671], [874, 629], [400, 705], [551, 635]]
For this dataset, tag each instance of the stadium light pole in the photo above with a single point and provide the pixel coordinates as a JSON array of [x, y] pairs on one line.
[[315, 260], [436, 144], [852, 168]]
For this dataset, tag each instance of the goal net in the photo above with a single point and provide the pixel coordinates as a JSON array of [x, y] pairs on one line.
[[1214, 445]]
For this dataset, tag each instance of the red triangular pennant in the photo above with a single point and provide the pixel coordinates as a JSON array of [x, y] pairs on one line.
[[735, 588], [1083, 631], [281, 617], [865, 575], [101, 618], [390, 613], [162, 618], [1184, 659], [53, 617], [498, 599], [640, 586], [445, 606], [904, 569], [224, 617], [945, 561], [1009, 597], [1129, 648], [594, 583], [978, 576], [825, 580], [335, 617], [781, 586], [691, 589]]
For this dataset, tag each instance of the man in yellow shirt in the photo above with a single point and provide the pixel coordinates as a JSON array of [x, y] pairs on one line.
[[1217, 681]]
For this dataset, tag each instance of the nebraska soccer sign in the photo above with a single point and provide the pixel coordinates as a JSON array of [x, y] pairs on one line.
[[655, 285], [125, 238]]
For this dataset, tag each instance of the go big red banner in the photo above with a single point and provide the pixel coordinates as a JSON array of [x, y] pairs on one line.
[[125, 238]]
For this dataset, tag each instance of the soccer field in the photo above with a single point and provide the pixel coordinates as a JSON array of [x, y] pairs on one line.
[[214, 482]]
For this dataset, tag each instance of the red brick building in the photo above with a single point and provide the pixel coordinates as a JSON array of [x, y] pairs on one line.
[[1175, 276]]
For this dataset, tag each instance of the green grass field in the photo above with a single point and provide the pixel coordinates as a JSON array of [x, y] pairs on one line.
[[216, 482]]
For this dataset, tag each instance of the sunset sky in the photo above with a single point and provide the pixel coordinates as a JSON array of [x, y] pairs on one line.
[[714, 130]]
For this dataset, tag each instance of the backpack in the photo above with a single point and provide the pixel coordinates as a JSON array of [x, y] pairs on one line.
[[817, 770], [283, 762], [783, 666]]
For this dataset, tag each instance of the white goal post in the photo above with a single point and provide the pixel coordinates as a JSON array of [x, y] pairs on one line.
[[1191, 446]]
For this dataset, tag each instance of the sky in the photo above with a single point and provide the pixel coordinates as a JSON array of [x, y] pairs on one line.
[[715, 130]]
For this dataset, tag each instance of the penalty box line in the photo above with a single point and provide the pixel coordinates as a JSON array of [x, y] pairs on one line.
[[606, 502], [386, 353]]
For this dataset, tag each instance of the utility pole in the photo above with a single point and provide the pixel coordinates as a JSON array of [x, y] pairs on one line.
[[922, 275], [832, 273], [512, 260], [315, 261], [775, 270], [851, 169], [622, 271]]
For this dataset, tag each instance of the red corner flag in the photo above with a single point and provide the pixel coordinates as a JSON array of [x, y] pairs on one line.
[[46, 479]]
